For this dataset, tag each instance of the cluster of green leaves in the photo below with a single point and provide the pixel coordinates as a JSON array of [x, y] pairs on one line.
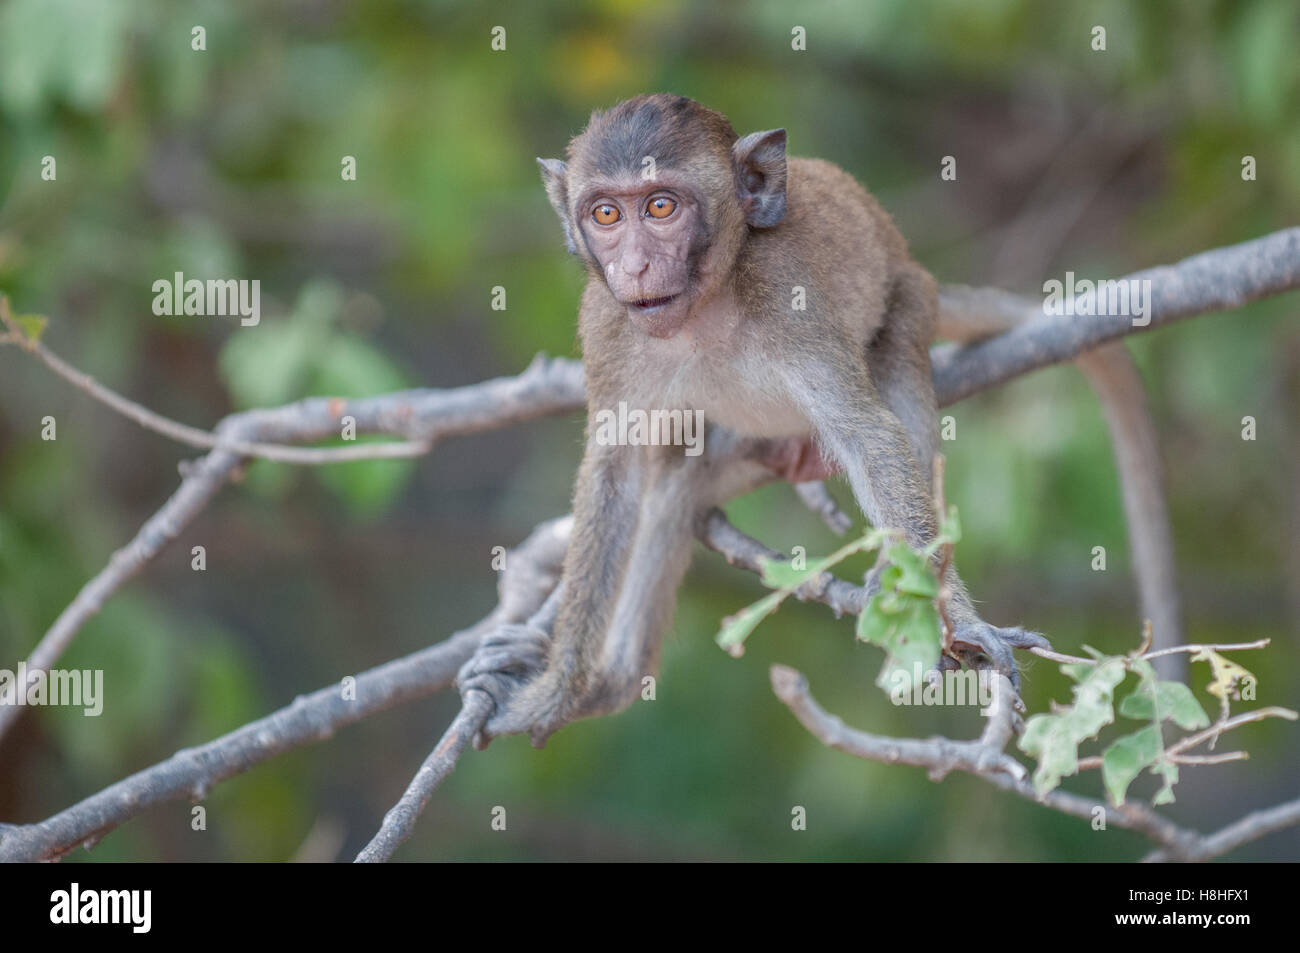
[[902, 618], [1054, 738]]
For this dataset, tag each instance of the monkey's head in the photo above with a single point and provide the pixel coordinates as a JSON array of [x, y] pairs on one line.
[[657, 197]]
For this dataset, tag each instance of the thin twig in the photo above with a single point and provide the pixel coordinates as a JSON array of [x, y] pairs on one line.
[[817, 498], [399, 822], [477, 707], [193, 436], [1252, 827], [1216, 646]]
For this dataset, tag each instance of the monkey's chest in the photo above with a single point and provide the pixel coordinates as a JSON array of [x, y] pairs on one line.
[[742, 394]]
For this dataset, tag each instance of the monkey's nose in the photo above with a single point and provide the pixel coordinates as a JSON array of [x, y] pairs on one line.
[[635, 265]]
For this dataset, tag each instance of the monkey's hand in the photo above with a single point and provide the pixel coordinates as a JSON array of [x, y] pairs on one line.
[[980, 645], [510, 666]]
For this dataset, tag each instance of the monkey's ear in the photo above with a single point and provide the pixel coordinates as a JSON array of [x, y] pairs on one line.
[[556, 179], [759, 160]]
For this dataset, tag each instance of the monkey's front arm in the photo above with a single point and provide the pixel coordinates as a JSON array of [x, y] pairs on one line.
[[634, 514]]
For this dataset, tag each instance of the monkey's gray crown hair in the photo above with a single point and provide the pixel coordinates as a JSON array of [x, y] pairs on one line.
[[670, 128]]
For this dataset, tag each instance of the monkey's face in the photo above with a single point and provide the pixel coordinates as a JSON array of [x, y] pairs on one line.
[[658, 196], [645, 237]]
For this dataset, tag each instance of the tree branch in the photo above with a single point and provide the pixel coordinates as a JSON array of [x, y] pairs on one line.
[[1214, 280], [548, 386], [193, 436], [532, 573], [1222, 278], [1251, 827], [399, 822], [987, 760]]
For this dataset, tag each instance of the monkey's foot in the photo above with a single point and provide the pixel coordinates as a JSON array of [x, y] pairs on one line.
[[980, 645], [507, 666]]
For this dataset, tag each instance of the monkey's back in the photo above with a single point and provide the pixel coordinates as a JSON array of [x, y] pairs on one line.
[[835, 241]]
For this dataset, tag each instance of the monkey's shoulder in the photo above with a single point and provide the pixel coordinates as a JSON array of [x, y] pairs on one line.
[[823, 198]]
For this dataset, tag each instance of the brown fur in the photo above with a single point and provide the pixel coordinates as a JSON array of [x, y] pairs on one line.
[[851, 372]]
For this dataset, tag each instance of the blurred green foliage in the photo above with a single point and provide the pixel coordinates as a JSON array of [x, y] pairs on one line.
[[227, 162]]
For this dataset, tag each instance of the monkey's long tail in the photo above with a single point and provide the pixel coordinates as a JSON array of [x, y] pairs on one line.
[[969, 314]]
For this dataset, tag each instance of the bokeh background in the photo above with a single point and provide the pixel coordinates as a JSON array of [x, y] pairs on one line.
[[226, 163]]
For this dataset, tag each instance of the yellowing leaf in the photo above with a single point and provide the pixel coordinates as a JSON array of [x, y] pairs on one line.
[[1226, 673]]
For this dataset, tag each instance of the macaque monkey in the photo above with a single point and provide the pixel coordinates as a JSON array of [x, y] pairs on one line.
[[776, 296]]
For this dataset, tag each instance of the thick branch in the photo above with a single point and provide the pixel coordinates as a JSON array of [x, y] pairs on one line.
[[1216, 280], [548, 386], [532, 574], [190, 773]]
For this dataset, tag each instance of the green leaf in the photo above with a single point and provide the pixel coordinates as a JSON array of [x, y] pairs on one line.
[[266, 365], [912, 642], [1054, 739], [781, 574], [902, 619], [915, 576], [949, 532], [350, 367], [1154, 701], [950, 529], [73, 49], [1127, 757], [1172, 700], [32, 326], [1265, 59], [272, 362], [737, 628]]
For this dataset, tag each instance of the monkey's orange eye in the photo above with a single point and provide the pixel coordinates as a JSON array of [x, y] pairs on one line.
[[605, 214], [661, 207]]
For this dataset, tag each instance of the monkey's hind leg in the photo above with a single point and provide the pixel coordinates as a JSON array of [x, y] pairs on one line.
[[619, 590]]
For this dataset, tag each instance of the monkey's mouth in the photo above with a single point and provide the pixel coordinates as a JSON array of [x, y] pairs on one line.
[[652, 304]]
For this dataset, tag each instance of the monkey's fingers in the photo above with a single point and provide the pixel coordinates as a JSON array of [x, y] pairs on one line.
[[497, 687], [1019, 638], [512, 660], [973, 639], [512, 649], [505, 660]]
